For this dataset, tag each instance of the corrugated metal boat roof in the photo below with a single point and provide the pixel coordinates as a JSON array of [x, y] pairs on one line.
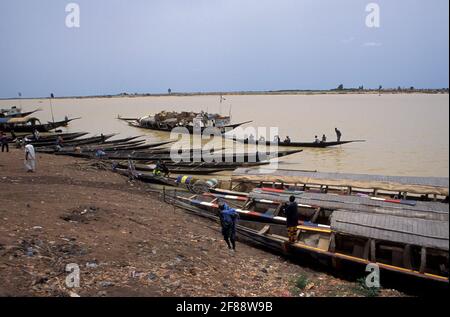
[[426, 233], [425, 210], [418, 185]]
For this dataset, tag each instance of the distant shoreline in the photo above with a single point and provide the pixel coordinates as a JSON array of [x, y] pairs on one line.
[[256, 93]]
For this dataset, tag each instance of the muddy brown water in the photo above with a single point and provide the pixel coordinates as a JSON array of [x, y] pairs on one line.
[[406, 134]]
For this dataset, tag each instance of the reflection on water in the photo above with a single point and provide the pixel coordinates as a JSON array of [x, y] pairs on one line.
[[406, 134]]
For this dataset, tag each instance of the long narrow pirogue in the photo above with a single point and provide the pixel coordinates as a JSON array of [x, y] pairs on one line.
[[75, 142], [91, 145], [184, 122], [92, 149], [29, 125], [47, 139], [417, 188], [218, 157], [74, 139], [15, 112], [124, 150], [401, 243], [147, 176], [299, 144], [187, 168]]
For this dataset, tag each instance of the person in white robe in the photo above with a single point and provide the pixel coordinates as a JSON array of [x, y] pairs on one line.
[[30, 158]]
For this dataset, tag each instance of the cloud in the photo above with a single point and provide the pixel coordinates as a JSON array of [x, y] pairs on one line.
[[348, 40], [372, 44]]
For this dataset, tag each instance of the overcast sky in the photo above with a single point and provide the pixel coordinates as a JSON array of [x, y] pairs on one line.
[[219, 45]]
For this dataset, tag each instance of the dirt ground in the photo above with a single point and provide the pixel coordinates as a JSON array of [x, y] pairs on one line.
[[127, 242]]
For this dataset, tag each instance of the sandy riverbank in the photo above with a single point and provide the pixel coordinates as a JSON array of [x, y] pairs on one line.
[[126, 241]]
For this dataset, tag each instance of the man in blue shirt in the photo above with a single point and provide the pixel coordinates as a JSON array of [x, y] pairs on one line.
[[228, 219]]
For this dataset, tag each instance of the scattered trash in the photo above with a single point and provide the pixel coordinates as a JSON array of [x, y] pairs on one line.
[[30, 251], [106, 284], [135, 274], [81, 215], [91, 265]]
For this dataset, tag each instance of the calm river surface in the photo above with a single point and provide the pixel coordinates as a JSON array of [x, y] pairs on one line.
[[405, 134]]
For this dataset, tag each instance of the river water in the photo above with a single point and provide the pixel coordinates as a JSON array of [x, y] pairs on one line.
[[406, 134]]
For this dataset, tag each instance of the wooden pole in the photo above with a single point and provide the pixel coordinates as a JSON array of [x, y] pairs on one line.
[[407, 257], [373, 250], [423, 260], [51, 109]]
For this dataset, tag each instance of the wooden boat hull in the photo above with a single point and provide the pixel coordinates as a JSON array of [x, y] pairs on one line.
[[147, 177], [19, 115], [92, 148], [320, 145], [177, 169], [189, 129], [51, 139], [320, 243], [42, 128], [124, 154], [242, 158], [86, 141]]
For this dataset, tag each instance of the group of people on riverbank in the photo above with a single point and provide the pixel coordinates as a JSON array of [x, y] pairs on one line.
[[30, 153]]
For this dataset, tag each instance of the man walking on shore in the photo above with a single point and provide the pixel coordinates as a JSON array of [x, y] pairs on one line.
[[4, 141], [30, 158], [228, 218]]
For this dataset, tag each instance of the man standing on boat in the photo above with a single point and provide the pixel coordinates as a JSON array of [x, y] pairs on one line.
[[30, 158], [228, 218], [338, 134], [291, 211]]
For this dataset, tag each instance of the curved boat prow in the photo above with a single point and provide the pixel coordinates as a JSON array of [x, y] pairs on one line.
[[357, 141], [70, 120], [236, 125], [127, 119]]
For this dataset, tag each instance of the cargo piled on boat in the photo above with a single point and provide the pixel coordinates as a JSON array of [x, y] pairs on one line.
[[193, 122]]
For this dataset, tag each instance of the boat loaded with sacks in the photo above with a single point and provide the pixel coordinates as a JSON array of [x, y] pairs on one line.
[[193, 122]]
